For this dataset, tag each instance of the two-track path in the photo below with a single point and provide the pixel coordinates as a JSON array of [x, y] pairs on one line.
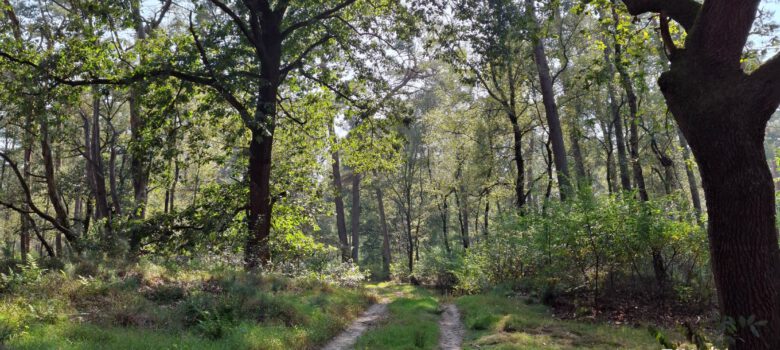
[[348, 338], [451, 328]]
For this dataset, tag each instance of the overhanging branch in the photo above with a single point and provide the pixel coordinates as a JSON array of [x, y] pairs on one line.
[[682, 11]]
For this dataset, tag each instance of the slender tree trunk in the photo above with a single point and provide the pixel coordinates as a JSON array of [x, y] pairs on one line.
[[174, 182], [96, 161], [409, 240], [463, 215], [386, 253], [112, 181], [550, 109], [617, 121], [576, 150], [52, 189], [24, 233], [443, 213], [486, 217], [355, 216], [519, 163], [341, 222], [692, 183], [139, 155]]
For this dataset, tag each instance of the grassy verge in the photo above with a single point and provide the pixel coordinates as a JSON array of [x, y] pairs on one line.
[[493, 321], [412, 322], [148, 307]]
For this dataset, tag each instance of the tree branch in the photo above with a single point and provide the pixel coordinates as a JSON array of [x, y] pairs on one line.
[[215, 84], [69, 234], [721, 31], [318, 17], [299, 61], [682, 11], [766, 80], [236, 20]]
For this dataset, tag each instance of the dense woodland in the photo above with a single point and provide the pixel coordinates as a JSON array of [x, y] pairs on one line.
[[613, 160]]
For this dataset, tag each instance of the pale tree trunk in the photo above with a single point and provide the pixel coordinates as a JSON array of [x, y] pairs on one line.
[[355, 216], [338, 189], [386, 253], [693, 185]]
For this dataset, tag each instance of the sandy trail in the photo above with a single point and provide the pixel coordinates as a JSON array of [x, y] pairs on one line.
[[451, 328], [348, 338]]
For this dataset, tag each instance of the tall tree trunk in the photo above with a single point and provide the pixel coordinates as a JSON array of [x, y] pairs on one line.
[[257, 251], [409, 239], [463, 215], [139, 155], [26, 221], [738, 187], [659, 266], [519, 163], [341, 222], [96, 161], [692, 183], [355, 215], [617, 121], [112, 175], [52, 189], [262, 127], [550, 108], [443, 213], [723, 114], [486, 217], [574, 138], [386, 253], [172, 191]]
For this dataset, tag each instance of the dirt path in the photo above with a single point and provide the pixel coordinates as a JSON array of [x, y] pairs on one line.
[[348, 338], [451, 328]]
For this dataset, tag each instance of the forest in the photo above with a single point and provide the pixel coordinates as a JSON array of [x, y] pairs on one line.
[[389, 174]]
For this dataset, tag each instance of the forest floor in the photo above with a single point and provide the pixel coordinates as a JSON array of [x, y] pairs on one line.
[[149, 307], [416, 318]]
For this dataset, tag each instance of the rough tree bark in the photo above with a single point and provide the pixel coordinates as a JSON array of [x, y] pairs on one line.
[[723, 112]]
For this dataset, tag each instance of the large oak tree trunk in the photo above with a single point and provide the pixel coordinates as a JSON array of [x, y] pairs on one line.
[[257, 252], [720, 115]]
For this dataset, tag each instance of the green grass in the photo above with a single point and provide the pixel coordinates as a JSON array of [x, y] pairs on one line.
[[412, 322], [149, 308], [496, 322]]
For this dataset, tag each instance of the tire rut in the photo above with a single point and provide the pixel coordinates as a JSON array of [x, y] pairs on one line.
[[348, 338], [451, 328]]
